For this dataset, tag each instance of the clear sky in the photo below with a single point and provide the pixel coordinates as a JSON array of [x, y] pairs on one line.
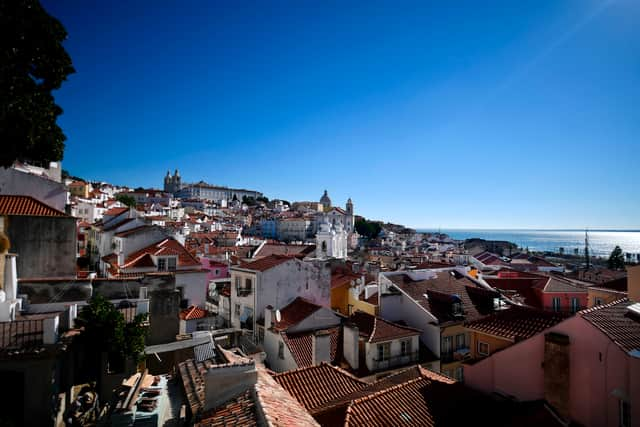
[[509, 114]]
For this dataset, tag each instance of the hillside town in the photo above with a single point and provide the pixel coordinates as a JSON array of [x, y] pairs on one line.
[[200, 304]]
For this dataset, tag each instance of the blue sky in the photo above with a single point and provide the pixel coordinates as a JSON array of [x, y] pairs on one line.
[[449, 114]]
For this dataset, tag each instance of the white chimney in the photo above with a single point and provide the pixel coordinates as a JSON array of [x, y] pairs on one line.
[[224, 383], [10, 277], [267, 317], [351, 350], [321, 347]]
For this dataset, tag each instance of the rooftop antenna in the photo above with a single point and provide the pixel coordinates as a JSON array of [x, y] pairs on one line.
[[586, 248]]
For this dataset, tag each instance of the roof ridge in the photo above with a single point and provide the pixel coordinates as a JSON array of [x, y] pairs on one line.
[[322, 364], [391, 389], [600, 307]]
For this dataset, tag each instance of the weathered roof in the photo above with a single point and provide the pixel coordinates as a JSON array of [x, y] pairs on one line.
[[615, 321], [267, 263], [376, 329], [301, 345], [27, 206], [314, 386], [295, 312], [193, 312], [438, 294], [239, 411], [168, 246], [516, 323]]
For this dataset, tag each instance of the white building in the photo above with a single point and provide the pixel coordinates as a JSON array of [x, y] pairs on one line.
[[275, 280], [331, 241]]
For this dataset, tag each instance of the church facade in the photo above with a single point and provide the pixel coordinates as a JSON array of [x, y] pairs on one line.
[[202, 191]]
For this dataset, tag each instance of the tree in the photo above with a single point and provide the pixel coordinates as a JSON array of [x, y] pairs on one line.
[[368, 229], [616, 259], [105, 331], [126, 200], [34, 64]]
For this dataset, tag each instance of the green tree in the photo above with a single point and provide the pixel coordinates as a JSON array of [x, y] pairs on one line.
[[126, 200], [368, 229], [33, 64], [616, 259], [105, 331]]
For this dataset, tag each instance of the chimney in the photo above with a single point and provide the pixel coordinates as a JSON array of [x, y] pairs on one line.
[[224, 383], [633, 283], [267, 317], [556, 372], [321, 347], [10, 277], [350, 346]]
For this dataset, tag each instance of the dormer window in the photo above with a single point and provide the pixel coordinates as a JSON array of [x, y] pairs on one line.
[[457, 308]]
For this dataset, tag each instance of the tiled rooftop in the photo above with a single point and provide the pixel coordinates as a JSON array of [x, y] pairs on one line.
[[314, 386], [616, 322], [438, 294], [295, 312], [239, 411], [375, 329], [193, 312], [301, 347], [267, 263], [27, 206], [168, 246], [516, 323]]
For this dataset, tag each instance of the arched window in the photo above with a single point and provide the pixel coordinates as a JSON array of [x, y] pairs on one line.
[[324, 246]]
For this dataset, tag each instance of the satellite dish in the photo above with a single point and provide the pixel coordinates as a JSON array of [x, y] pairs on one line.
[[278, 316]]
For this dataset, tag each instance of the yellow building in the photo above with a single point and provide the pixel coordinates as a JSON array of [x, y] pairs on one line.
[[80, 189], [345, 297]]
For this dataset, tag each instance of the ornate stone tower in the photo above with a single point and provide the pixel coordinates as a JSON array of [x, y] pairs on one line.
[[167, 182]]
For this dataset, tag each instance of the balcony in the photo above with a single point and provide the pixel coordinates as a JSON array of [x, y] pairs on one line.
[[21, 333], [394, 361], [243, 292]]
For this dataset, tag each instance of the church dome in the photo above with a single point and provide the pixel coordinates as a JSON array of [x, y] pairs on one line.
[[325, 200]]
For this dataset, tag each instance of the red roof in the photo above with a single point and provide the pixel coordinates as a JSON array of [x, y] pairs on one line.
[[376, 329], [316, 385], [295, 312], [516, 323], [27, 206], [168, 246], [301, 345], [267, 263], [341, 278], [115, 211], [193, 312], [615, 321]]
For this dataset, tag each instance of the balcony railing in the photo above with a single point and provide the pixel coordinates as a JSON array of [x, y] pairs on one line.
[[21, 333], [393, 361], [243, 292]]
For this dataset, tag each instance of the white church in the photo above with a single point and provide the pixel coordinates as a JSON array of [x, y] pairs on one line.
[[333, 227]]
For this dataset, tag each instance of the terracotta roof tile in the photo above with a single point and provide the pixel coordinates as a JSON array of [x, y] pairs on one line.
[[192, 313], [168, 246], [301, 345], [615, 321], [239, 411], [375, 329], [517, 323], [316, 385], [27, 206], [267, 263], [295, 312]]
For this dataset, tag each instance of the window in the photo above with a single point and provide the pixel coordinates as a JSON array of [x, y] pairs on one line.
[[599, 301], [447, 345], [458, 374], [575, 305], [247, 283], [162, 264], [238, 281], [171, 266], [460, 341], [280, 350], [625, 413], [556, 303], [405, 347], [237, 310], [384, 351], [483, 348], [216, 271], [457, 308]]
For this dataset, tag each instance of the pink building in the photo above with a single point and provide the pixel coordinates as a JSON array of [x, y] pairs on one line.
[[587, 368], [215, 269]]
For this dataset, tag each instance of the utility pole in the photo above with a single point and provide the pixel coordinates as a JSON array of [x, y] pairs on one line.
[[586, 248]]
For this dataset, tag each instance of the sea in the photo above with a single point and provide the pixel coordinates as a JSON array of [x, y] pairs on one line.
[[601, 242]]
